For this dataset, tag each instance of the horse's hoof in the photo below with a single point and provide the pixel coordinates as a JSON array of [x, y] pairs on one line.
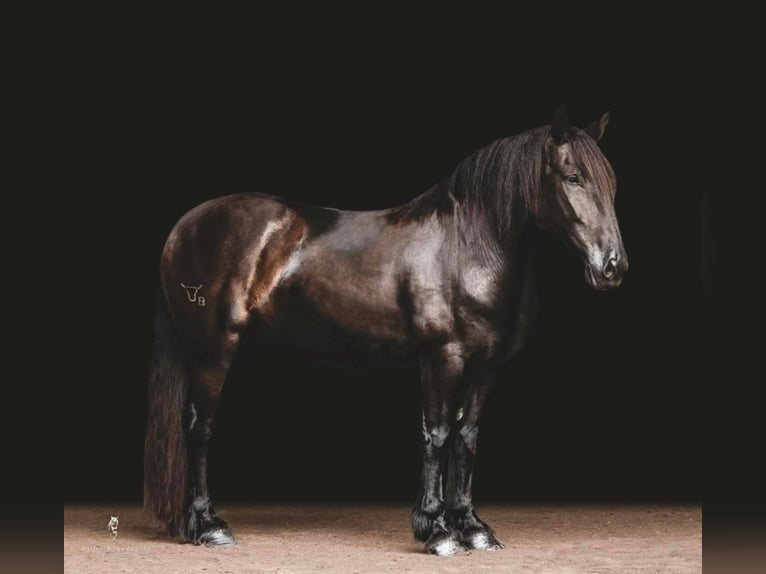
[[209, 531], [481, 539], [218, 537], [444, 544]]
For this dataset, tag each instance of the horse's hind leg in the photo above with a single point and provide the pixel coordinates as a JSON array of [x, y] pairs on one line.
[[202, 524]]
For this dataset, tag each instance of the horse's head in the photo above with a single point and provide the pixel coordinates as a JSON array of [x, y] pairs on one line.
[[577, 201]]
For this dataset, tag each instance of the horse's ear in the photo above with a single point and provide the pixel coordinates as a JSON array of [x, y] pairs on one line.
[[560, 125], [596, 129]]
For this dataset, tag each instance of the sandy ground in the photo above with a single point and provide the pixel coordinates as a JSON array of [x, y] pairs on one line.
[[324, 538]]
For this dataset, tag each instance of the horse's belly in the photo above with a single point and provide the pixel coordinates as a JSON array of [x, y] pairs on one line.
[[353, 335]]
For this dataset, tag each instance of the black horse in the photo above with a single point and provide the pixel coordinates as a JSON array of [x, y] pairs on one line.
[[444, 281]]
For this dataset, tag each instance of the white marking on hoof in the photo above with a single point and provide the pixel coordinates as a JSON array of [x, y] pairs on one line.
[[219, 538], [446, 545], [459, 416], [481, 540]]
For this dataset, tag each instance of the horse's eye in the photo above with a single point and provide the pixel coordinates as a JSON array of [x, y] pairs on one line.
[[572, 178]]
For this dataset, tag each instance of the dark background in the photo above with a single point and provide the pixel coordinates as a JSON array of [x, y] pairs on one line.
[[605, 404]]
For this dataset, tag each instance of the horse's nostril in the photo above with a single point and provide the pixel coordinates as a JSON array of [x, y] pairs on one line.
[[610, 269]]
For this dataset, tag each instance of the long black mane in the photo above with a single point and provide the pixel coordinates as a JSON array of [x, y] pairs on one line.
[[502, 182], [501, 179]]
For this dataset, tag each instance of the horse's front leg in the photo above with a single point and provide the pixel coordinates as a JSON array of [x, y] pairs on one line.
[[462, 453], [441, 372]]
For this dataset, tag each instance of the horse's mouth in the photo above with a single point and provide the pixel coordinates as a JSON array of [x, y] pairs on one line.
[[598, 281]]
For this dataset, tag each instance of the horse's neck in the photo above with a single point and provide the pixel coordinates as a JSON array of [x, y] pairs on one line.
[[499, 273], [518, 257], [481, 244]]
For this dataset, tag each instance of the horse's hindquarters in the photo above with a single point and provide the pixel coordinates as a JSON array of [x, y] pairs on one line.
[[222, 261]]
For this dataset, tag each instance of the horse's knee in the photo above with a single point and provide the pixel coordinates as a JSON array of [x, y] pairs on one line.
[[435, 435], [469, 434]]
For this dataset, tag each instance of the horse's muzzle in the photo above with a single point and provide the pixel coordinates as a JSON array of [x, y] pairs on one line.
[[609, 275]]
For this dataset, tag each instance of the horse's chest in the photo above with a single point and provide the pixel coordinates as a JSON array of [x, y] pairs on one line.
[[495, 312], [480, 286]]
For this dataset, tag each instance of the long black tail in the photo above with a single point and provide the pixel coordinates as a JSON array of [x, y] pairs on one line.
[[165, 456]]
